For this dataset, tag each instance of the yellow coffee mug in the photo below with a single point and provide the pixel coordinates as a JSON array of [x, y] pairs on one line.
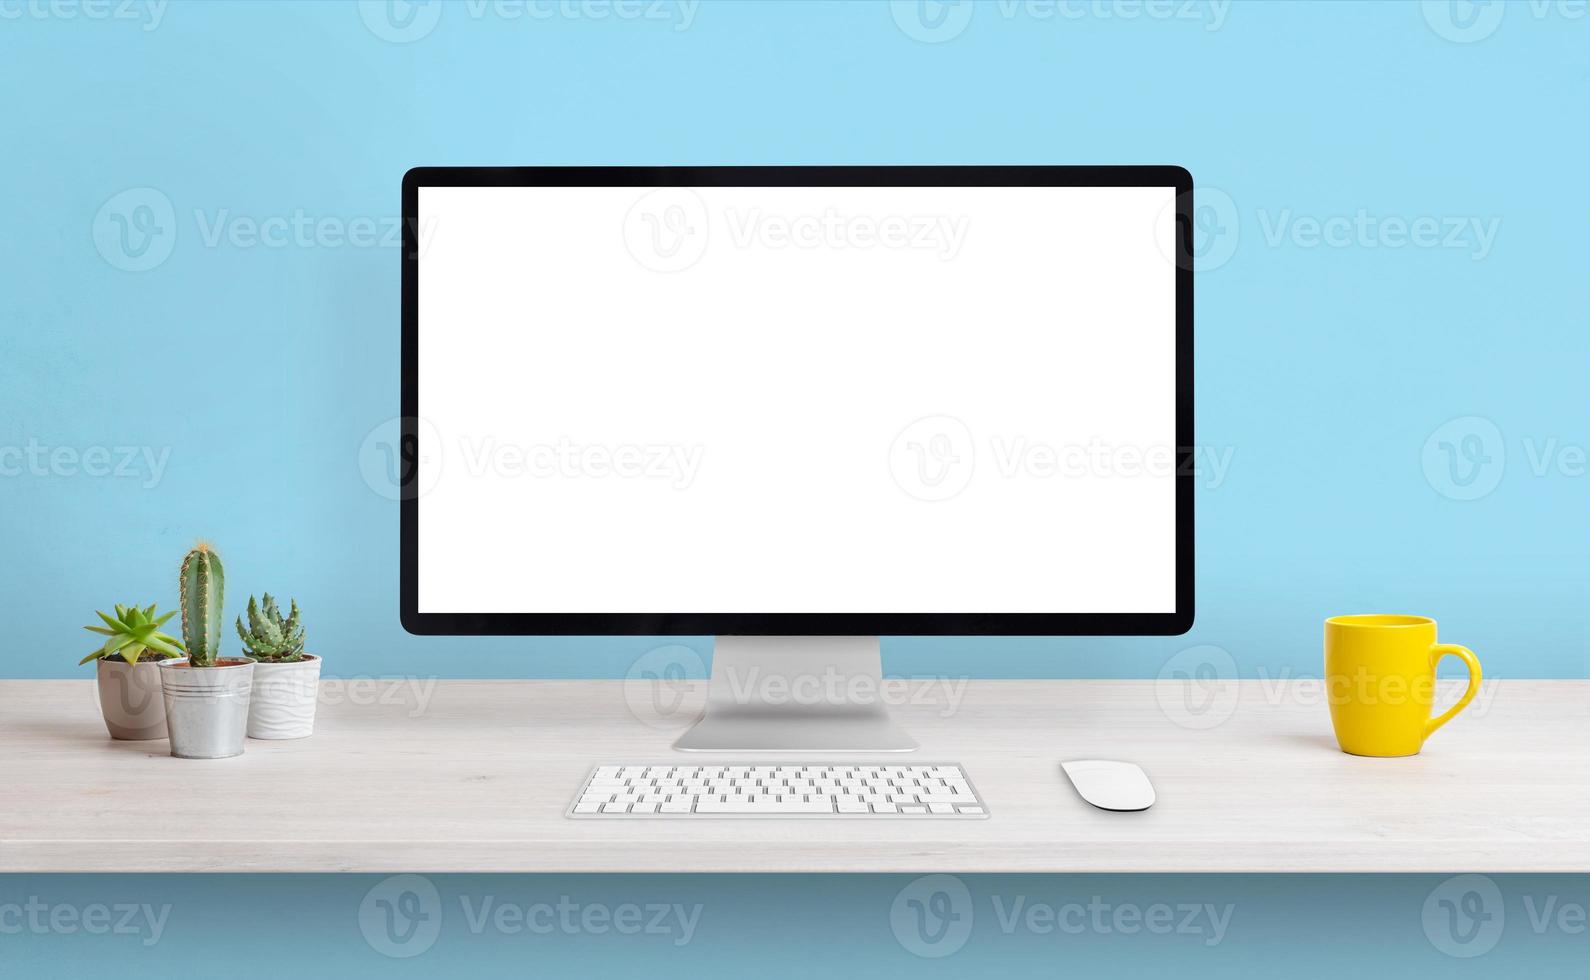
[[1380, 680]]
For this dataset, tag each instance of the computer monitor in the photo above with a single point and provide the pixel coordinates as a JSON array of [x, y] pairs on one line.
[[797, 408]]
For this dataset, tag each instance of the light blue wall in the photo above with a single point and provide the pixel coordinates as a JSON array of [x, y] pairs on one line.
[[1322, 370]]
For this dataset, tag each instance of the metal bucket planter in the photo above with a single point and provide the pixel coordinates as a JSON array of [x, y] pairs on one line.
[[283, 704], [207, 707], [130, 698]]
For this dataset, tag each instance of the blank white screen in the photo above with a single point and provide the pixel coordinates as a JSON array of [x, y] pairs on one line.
[[708, 400]]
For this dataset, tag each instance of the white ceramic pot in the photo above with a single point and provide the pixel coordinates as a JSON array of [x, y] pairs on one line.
[[130, 699], [283, 705]]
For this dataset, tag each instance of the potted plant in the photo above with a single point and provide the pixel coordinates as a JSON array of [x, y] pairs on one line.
[[129, 680], [206, 695], [286, 679]]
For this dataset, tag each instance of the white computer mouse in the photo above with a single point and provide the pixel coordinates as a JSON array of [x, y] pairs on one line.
[[1110, 785]]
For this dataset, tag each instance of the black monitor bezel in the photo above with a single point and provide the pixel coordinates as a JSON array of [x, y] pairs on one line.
[[802, 624]]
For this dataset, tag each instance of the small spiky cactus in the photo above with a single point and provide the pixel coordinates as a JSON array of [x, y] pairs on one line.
[[269, 637], [202, 592]]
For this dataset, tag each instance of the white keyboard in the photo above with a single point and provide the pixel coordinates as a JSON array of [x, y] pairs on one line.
[[791, 790]]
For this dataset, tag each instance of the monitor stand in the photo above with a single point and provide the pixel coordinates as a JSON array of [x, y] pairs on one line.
[[796, 694]]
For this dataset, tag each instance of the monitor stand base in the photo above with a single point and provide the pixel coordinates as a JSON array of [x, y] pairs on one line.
[[796, 694]]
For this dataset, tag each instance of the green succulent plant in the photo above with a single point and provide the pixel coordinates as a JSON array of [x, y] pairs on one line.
[[203, 589], [270, 637], [131, 633]]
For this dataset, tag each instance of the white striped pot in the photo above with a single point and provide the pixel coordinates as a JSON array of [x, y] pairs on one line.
[[283, 704]]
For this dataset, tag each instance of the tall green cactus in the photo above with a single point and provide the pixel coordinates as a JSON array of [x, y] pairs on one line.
[[202, 592]]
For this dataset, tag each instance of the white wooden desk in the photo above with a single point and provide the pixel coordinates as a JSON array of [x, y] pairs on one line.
[[477, 778]]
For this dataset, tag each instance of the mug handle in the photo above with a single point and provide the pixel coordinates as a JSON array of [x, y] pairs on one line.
[[1467, 656]]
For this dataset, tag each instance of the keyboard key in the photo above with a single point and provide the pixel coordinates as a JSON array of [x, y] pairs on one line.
[[732, 805]]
